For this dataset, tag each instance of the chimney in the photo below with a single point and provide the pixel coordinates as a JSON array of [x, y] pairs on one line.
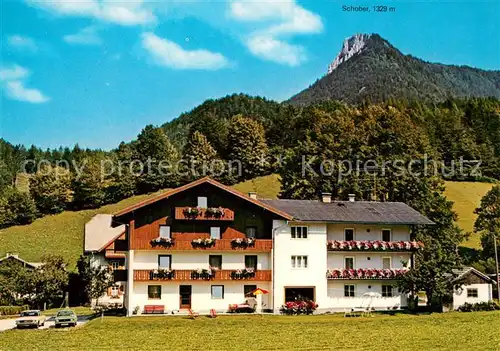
[[326, 197], [252, 194], [352, 197]]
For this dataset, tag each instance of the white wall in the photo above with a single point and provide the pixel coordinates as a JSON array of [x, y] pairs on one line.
[[460, 295], [336, 300], [195, 260], [368, 231], [314, 247], [201, 300]]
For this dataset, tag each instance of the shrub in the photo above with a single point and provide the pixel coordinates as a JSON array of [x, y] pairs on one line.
[[12, 310], [480, 306]]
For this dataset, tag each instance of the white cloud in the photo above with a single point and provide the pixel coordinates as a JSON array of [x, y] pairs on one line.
[[22, 43], [123, 13], [16, 90], [13, 81], [277, 19], [14, 72], [86, 36], [276, 50], [167, 53]]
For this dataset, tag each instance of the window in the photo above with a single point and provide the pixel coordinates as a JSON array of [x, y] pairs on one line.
[[348, 234], [165, 261], [165, 231], [217, 291], [386, 290], [472, 292], [299, 261], [115, 265], [154, 291], [251, 232], [215, 261], [386, 235], [202, 201], [114, 291], [349, 290], [299, 232], [251, 261], [215, 232], [386, 262], [349, 262], [248, 288]]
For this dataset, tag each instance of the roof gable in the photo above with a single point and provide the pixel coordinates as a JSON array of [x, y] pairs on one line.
[[207, 180], [99, 233]]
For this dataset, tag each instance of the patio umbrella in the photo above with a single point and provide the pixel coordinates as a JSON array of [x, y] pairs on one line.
[[259, 291]]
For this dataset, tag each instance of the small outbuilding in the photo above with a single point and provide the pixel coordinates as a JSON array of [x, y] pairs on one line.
[[475, 287]]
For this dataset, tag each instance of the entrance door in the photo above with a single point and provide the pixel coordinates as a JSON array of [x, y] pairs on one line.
[[185, 296]]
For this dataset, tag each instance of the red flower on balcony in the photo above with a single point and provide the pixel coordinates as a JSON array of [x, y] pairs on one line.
[[365, 273], [377, 245]]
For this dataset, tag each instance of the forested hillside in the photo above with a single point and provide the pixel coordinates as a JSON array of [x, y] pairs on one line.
[[370, 69]]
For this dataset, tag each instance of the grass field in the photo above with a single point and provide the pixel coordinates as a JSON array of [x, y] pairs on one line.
[[453, 331], [63, 233], [467, 197]]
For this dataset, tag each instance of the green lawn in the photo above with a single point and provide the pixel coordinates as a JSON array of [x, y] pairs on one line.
[[454, 331], [267, 187]]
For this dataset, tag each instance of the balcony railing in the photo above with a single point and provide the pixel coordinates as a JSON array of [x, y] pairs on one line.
[[365, 273], [188, 274], [366, 245], [205, 214], [176, 244]]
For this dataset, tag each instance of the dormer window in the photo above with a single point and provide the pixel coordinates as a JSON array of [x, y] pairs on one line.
[[202, 201]]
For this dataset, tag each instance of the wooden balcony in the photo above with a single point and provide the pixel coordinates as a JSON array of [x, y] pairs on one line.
[[260, 245], [203, 215], [115, 254], [120, 275], [186, 275]]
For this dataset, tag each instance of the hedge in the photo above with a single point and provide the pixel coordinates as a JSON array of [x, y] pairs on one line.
[[12, 310]]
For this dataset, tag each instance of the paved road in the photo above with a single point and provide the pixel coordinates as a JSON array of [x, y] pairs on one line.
[[6, 324]]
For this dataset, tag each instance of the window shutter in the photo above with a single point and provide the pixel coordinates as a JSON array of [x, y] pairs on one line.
[[110, 292]]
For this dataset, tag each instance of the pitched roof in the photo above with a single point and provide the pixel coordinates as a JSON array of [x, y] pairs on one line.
[[369, 212], [458, 273], [208, 180], [16, 257], [99, 233]]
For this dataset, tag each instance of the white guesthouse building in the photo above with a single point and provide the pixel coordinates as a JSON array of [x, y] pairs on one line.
[[205, 246]]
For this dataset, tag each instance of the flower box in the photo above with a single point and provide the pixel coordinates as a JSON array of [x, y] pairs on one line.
[[203, 243], [216, 212], [365, 273], [163, 242], [191, 212], [242, 243], [162, 274], [202, 274], [356, 245], [246, 273], [298, 307]]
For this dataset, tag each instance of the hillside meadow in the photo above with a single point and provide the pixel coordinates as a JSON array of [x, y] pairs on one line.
[[63, 233]]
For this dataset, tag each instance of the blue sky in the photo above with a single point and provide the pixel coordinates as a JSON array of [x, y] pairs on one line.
[[96, 72]]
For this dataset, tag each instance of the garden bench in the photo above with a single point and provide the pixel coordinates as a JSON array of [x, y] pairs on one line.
[[154, 309]]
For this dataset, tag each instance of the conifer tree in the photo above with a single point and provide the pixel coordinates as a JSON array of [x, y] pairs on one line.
[[200, 158]]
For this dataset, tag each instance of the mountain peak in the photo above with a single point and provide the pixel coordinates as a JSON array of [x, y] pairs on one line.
[[351, 46]]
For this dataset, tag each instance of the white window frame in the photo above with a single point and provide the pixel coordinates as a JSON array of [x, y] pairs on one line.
[[167, 231], [353, 233], [113, 264], [353, 262], [391, 290], [212, 292], [215, 233], [202, 201], [382, 233], [354, 290], [299, 234], [115, 291], [299, 261], [390, 261]]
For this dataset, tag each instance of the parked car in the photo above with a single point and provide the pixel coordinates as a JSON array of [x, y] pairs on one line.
[[31, 318], [65, 317]]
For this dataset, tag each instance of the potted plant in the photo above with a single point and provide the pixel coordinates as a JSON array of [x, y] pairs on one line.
[[217, 212], [202, 273], [242, 243], [203, 243], [161, 241], [191, 212], [245, 273], [162, 274]]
